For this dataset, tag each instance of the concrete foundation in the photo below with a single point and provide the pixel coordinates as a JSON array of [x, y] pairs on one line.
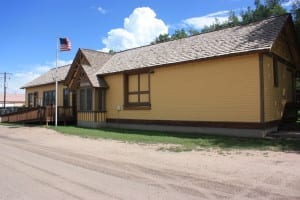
[[254, 133]]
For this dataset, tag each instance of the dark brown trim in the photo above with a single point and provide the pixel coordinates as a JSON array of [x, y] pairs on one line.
[[280, 59], [136, 105], [151, 68], [125, 89], [137, 71], [275, 72], [139, 87], [262, 92], [149, 87], [92, 111], [235, 125], [141, 92]]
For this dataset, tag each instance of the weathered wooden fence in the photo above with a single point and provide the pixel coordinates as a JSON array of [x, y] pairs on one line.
[[40, 115]]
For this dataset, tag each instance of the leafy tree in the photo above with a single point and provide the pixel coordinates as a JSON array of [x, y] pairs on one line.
[[192, 31], [272, 3], [257, 3], [161, 38], [296, 17], [206, 29], [233, 20], [213, 27], [111, 51], [277, 10], [247, 16], [262, 11], [178, 34]]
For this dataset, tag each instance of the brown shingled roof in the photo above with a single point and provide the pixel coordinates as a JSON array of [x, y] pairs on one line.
[[236, 40], [49, 77], [96, 60], [87, 62]]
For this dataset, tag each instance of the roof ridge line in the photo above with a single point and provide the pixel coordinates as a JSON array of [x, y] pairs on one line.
[[94, 50], [240, 25], [60, 66]]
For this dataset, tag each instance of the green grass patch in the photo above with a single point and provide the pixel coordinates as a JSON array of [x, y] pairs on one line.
[[182, 141]]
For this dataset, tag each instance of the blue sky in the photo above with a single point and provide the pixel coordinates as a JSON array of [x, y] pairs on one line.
[[29, 28]]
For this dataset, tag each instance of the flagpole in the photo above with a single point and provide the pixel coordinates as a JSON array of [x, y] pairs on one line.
[[56, 82]]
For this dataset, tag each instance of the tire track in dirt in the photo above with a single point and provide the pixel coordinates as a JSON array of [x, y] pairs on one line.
[[63, 178], [43, 182], [166, 179], [129, 171]]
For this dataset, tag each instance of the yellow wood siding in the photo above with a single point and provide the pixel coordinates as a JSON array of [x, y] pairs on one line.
[[224, 89], [92, 116], [275, 98], [42, 88]]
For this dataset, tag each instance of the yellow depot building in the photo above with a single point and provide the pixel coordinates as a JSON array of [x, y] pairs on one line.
[[236, 81], [40, 93]]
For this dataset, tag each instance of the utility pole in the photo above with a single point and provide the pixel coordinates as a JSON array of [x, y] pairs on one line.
[[5, 74]]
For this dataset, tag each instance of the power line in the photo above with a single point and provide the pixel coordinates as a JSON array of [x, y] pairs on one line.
[[4, 76]]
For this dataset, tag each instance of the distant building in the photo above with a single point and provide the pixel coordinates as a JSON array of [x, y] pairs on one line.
[[41, 91], [12, 100]]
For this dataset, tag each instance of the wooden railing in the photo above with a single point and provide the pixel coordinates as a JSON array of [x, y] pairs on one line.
[[91, 116], [29, 115], [41, 114]]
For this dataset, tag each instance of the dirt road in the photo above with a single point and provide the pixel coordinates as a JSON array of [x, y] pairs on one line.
[[38, 163]]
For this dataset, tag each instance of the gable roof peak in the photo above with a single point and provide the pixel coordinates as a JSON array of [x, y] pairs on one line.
[[94, 62]]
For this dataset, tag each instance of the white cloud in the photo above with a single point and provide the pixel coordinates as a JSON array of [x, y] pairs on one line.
[[219, 13], [20, 78], [289, 3], [209, 19], [101, 10], [140, 28]]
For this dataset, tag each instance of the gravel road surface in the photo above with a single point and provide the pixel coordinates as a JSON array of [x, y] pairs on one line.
[[38, 163]]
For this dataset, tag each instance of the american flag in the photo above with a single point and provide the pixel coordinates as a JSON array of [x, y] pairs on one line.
[[65, 44]]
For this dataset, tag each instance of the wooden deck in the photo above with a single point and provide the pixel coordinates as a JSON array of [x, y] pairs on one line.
[[41, 115]]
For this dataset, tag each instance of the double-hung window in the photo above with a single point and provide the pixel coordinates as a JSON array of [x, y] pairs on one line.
[[102, 100], [30, 100], [85, 99], [49, 97], [66, 97]]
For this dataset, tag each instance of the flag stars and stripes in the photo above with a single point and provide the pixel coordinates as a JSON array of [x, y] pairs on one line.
[[65, 44]]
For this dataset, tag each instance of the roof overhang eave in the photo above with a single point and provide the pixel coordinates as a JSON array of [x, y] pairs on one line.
[[258, 50]]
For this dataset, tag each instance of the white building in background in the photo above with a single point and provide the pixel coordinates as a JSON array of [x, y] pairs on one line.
[[12, 100]]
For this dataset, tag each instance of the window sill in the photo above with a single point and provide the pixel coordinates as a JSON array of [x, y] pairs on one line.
[[135, 107]]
